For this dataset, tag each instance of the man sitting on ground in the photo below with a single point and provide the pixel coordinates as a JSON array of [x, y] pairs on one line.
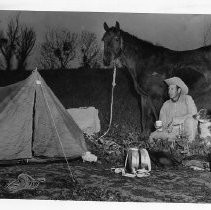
[[176, 113]]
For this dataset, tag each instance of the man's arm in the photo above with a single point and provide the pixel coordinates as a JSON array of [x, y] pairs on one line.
[[163, 114], [191, 110], [191, 106]]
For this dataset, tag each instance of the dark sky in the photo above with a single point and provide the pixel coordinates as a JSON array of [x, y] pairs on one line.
[[174, 31]]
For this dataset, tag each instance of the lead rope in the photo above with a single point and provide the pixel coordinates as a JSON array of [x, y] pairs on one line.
[[112, 101], [54, 124], [24, 182]]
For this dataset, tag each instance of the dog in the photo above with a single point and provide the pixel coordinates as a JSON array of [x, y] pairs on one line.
[[204, 126]]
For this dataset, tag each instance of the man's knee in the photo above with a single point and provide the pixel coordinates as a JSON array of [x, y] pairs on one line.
[[152, 136], [190, 127], [190, 122], [158, 135]]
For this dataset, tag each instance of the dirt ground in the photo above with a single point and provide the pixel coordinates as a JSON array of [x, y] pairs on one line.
[[99, 183]]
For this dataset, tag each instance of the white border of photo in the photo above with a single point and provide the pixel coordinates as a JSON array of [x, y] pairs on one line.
[[128, 6]]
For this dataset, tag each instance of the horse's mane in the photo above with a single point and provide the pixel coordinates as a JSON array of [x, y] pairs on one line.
[[147, 45], [140, 43]]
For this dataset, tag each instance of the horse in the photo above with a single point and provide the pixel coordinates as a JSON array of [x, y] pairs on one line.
[[149, 65]]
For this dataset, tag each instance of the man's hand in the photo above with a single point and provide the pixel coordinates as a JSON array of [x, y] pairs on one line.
[[170, 128], [178, 120]]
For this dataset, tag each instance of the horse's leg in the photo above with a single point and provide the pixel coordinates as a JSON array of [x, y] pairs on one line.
[[153, 108], [141, 92], [144, 108], [147, 107], [148, 116], [140, 105]]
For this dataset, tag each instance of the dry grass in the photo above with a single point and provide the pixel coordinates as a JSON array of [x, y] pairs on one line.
[[79, 88]]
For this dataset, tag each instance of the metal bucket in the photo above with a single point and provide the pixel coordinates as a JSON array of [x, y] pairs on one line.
[[132, 160]]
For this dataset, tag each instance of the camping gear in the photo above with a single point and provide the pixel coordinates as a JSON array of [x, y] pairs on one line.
[[200, 165], [137, 164], [34, 123], [137, 159], [24, 182], [129, 175], [145, 160], [204, 124], [139, 173], [132, 160], [86, 118], [87, 156], [142, 173]]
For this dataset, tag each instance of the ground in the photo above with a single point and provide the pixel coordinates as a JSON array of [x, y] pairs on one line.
[[97, 182], [79, 88]]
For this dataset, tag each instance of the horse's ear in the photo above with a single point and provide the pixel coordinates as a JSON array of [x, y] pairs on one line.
[[106, 26], [117, 25]]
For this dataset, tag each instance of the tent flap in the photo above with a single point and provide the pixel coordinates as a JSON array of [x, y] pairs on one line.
[[16, 121]]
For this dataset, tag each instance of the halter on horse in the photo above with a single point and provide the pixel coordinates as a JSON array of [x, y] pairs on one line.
[[114, 50]]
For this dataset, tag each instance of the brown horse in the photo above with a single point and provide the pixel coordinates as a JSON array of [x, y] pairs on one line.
[[149, 65]]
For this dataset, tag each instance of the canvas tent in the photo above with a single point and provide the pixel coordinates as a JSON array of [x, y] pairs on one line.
[[87, 119], [34, 123]]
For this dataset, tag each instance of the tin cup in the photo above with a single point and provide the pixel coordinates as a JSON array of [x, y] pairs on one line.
[[159, 125]]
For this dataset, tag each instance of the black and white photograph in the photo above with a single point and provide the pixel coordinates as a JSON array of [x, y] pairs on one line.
[[105, 105]]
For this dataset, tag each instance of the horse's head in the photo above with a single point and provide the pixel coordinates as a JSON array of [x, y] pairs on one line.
[[112, 43]]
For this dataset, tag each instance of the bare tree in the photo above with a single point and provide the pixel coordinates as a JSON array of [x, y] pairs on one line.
[[8, 41], [206, 36], [90, 50], [58, 49], [18, 41], [1, 56], [25, 44], [47, 57]]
